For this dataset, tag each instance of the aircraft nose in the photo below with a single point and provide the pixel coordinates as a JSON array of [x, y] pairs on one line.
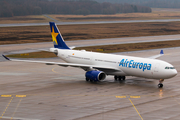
[[174, 72]]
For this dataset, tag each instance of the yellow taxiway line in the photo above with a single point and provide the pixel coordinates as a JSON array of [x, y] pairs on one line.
[[135, 109], [16, 108], [6, 108]]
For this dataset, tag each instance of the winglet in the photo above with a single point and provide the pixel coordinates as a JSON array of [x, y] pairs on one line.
[[5, 57], [159, 55], [161, 52]]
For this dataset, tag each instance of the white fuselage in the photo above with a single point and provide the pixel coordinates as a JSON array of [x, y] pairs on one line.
[[127, 65]]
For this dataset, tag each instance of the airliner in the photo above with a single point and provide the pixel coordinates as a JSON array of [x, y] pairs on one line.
[[99, 65]]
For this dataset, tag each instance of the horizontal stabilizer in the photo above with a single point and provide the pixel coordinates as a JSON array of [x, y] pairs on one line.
[[5, 57]]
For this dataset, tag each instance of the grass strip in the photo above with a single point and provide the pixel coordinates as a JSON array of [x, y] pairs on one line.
[[131, 46], [34, 34], [107, 49]]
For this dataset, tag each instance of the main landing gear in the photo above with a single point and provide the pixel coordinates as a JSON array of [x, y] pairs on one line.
[[160, 85], [87, 80], [119, 78]]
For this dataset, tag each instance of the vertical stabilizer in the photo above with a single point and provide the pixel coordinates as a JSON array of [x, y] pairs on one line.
[[56, 37]]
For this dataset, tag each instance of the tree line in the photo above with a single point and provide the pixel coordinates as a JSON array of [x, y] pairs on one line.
[[149, 3], [10, 8]]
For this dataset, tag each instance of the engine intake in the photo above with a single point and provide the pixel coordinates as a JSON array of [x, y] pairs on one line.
[[95, 75]]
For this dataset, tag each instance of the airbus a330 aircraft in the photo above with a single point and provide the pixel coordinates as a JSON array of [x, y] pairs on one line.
[[98, 65]]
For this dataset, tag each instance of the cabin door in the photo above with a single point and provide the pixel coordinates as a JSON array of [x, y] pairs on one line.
[[156, 69]]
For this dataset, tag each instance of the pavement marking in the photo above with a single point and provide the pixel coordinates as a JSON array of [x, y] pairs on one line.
[[135, 96], [16, 108], [117, 96], [6, 95], [54, 70], [120, 96], [135, 108], [6, 108], [128, 96], [175, 100], [21, 96], [11, 95], [60, 73]]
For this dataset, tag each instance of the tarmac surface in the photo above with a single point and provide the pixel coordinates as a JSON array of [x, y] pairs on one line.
[[88, 22], [32, 91]]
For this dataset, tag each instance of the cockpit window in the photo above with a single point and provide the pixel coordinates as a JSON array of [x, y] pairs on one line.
[[169, 68]]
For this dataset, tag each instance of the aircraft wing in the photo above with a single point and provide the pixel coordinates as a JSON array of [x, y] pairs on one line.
[[83, 66], [156, 56]]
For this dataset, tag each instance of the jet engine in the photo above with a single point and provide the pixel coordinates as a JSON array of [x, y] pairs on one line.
[[95, 75]]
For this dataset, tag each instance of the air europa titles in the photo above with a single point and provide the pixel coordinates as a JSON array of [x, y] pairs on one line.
[[133, 64]]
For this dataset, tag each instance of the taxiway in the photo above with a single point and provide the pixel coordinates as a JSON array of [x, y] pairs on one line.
[[31, 91], [88, 22]]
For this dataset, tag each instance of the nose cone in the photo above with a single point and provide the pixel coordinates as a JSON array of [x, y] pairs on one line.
[[170, 70], [173, 73]]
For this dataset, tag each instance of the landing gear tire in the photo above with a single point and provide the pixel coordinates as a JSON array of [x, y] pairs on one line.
[[123, 77], [92, 81], [87, 79], [115, 78], [120, 78], [160, 85]]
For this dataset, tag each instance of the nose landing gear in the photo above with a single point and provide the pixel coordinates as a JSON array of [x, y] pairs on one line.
[[160, 85]]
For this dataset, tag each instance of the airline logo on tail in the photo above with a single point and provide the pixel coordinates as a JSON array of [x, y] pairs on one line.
[[54, 35], [57, 38]]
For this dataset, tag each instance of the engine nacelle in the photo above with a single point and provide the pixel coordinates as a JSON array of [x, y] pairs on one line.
[[95, 75]]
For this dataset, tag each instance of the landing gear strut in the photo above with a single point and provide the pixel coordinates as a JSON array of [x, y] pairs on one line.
[[160, 85], [115, 78], [119, 78]]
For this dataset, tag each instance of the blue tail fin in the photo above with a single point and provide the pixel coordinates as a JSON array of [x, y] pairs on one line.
[[57, 38]]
